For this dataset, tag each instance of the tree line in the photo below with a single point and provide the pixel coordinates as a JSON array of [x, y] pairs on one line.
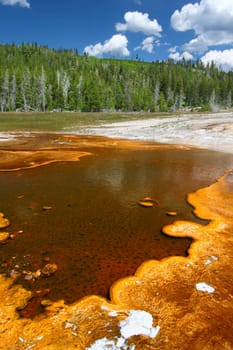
[[38, 78]]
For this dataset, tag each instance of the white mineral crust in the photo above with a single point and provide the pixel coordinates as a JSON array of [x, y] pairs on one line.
[[138, 323], [204, 287]]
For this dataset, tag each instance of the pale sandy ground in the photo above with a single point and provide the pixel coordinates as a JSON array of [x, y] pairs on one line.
[[213, 131]]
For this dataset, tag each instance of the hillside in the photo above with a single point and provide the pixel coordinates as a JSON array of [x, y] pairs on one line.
[[37, 78]]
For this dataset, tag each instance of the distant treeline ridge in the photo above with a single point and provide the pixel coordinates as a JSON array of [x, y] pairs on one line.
[[37, 78]]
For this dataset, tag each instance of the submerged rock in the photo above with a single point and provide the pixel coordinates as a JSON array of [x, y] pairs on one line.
[[47, 207], [171, 213], [147, 202], [49, 269], [14, 274]]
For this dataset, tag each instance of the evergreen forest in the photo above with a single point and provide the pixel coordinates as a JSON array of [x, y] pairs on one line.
[[38, 78]]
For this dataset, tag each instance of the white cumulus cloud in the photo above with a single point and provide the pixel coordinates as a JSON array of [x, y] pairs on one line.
[[139, 22], [147, 44], [211, 21], [176, 56], [116, 45], [222, 59], [22, 3]]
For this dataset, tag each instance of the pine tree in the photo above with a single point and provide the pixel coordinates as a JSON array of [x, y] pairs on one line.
[[5, 92], [42, 94], [26, 90], [162, 103], [65, 85], [13, 87]]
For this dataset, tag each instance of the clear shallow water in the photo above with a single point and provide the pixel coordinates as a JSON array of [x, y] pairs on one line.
[[95, 231]]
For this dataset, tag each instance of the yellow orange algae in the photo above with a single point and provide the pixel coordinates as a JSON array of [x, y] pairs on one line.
[[34, 158], [39, 149], [4, 222], [188, 317]]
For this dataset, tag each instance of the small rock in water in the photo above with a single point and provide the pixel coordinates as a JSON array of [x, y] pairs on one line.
[[15, 234], [14, 274], [29, 277], [46, 259], [49, 269], [20, 196], [147, 202], [47, 207], [171, 213], [37, 274]]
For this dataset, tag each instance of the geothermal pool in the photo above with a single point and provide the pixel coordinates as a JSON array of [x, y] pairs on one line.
[[94, 230]]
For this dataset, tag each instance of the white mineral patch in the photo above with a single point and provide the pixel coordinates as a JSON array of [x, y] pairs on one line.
[[139, 282], [208, 262], [5, 136], [204, 287], [29, 347], [39, 338], [213, 131], [111, 344], [71, 325], [211, 259], [138, 323], [214, 257], [113, 313], [104, 307]]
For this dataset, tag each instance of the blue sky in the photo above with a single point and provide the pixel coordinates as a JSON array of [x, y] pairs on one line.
[[150, 29]]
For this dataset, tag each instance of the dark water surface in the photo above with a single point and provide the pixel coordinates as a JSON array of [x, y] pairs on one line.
[[95, 232]]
